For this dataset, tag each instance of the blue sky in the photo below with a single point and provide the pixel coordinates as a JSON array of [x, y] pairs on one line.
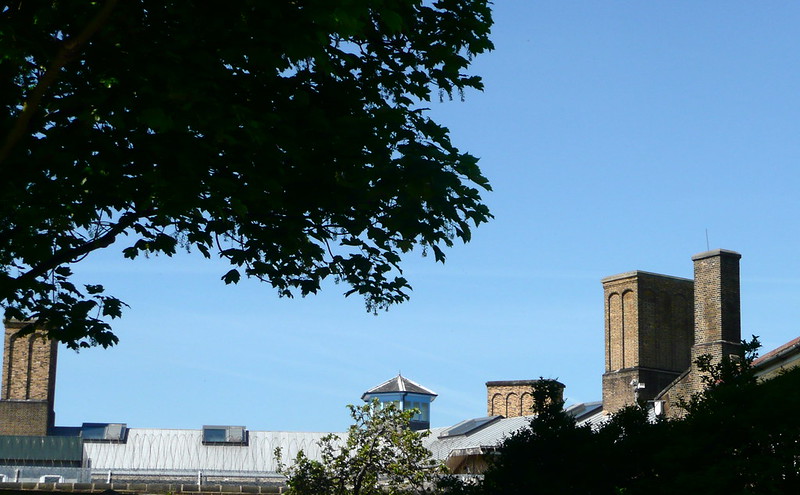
[[615, 134]]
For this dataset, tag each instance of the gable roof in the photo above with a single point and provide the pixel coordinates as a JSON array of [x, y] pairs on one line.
[[398, 384], [786, 348], [777, 360]]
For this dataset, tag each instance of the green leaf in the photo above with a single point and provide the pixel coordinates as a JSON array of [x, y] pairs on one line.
[[231, 277]]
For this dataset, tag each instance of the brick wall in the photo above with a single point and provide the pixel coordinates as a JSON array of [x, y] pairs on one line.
[[648, 335], [513, 398], [28, 383], [717, 322], [30, 418], [681, 388], [717, 309]]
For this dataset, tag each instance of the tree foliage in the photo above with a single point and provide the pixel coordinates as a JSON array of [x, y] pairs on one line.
[[739, 436], [380, 455], [552, 456], [290, 138]]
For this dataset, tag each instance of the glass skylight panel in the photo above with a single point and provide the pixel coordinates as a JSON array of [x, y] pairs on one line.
[[103, 432], [224, 435]]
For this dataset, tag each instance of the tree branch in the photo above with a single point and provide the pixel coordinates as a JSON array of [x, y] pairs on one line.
[[68, 255], [68, 50]]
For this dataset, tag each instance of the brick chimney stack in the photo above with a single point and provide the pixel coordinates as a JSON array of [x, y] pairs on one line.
[[512, 398], [648, 335], [28, 382], [717, 306]]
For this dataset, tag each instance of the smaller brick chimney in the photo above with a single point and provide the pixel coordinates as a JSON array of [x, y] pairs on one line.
[[511, 398], [717, 307]]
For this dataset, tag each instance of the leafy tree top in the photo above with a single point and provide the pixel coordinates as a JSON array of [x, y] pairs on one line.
[[379, 455], [290, 138]]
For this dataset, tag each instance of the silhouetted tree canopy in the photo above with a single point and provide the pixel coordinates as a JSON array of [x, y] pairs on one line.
[[740, 436], [288, 137]]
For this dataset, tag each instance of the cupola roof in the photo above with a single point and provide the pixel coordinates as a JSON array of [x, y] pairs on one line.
[[399, 384]]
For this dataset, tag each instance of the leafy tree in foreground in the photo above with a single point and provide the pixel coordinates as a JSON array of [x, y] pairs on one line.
[[288, 137], [551, 456], [740, 436], [380, 455]]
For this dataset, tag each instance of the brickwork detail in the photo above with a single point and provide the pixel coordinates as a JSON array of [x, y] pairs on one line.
[[680, 389], [657, 326], [717, 309], [648, 335], [617, 390], [615, 332], [30, 418], [28, 381], [513, 405], [513, 398]]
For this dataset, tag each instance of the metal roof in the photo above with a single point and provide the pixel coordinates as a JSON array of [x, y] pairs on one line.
[[786, 348], [485, 438], [584, 410], [495, 432], [42, 449], [595, 419], [150, 449], [469, 426], [399, 384], [170, 450]]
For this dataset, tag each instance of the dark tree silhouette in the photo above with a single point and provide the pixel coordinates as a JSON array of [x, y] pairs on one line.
[[290, 138], [740, 436]]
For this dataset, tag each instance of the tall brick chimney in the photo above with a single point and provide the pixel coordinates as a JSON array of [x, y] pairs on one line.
[[717, 306], [29, 379]]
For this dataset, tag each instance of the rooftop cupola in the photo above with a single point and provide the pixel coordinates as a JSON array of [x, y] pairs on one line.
[[405, 394]]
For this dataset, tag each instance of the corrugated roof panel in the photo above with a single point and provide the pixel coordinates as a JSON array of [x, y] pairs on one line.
[[469, 426], [490, 436], [584, 410], [596, 419], [174, 450], [157, 449], [25, 448]]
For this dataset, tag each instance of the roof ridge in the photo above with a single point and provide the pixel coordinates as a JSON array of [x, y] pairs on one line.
[[401, 384]]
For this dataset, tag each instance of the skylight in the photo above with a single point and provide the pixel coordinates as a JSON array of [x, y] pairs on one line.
[[104, 432], [224, 435]]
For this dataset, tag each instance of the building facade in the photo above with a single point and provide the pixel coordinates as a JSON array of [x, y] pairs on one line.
[[655, 327]]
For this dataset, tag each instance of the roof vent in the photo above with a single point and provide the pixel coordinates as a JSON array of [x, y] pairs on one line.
[[104, 432], [224, 435]]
